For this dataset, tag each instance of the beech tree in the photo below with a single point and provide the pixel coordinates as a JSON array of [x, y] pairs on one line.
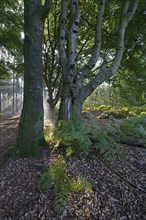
[[52, 69], [31, 125], [82, 75]]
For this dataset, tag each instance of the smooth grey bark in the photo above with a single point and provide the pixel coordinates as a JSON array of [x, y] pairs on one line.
[[31, 125], [70, 89], [75, 90]]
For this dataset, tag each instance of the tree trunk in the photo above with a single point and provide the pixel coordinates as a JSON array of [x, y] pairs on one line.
[[31, 123], [51, 110], [77, 109], [71, 102], [0, 102], [70, 109]]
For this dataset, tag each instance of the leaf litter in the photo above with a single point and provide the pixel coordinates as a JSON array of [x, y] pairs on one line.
[[118, 186]]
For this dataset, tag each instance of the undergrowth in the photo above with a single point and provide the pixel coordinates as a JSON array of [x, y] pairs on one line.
[[73, 134], [133, 127], [103, 139], [120, 111], [80, 137], [57, 179]]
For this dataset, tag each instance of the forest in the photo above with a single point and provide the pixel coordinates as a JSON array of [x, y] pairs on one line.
[[73, 110]]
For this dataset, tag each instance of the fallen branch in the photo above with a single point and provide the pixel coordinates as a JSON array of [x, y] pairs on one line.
[[131, 141], [121, 177]]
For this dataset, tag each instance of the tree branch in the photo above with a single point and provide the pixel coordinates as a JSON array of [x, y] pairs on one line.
[[95, 55], [107, 71], [62, 35], [72, 33], [72, 78], [133, 10]]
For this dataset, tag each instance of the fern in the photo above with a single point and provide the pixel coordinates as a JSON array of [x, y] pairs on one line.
[[81, 184], [133, 127], [45, 182], [62, 186], [73, 134], [104, 141], [78, 136]]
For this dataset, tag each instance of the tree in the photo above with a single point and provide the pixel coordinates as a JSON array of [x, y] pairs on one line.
[[129, 84], [81, 75], [52, 69], [31, 125], [11, 24]]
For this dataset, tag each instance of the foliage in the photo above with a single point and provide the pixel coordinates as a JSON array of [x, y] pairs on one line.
[[73, 134], [104, 107], [62, 186], [135, 127], [48, 132], [128, 86], [120, 111], [11, 25], [103, 139], [78, 136], [143, 114]]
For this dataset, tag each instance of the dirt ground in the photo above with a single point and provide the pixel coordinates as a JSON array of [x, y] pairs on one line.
[[118, 187]]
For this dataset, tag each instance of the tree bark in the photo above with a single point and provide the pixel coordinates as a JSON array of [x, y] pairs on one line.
[[70, 107], [31, 125]]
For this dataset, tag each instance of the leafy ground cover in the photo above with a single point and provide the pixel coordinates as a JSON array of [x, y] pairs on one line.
[[118, 186], [105, 111]]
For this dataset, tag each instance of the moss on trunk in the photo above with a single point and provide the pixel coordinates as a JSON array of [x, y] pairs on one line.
[[31, 126]]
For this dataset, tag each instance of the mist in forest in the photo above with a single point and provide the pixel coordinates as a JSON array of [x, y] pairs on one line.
[[11, 100]]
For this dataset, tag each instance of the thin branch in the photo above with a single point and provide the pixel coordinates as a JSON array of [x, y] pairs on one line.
[[85, 42]]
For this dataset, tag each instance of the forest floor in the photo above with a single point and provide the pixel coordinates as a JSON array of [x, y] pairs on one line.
[[118, 186]]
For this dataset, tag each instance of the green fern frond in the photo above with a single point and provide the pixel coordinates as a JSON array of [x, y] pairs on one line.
[[62, 186]]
